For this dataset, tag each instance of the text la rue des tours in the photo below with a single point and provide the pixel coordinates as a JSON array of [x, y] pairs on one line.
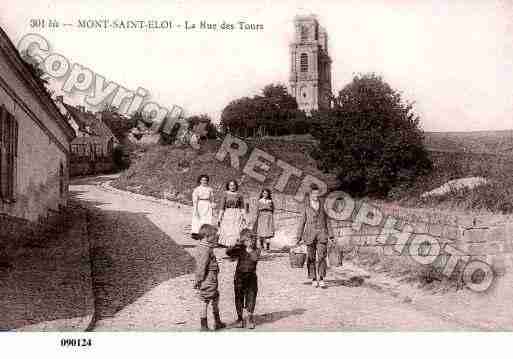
[[239, 25]]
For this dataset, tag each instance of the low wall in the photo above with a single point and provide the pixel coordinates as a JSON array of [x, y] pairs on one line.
[[400, 232], [87, 168]]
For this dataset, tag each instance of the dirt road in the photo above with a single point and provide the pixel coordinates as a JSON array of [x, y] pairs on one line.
[[143, 263]]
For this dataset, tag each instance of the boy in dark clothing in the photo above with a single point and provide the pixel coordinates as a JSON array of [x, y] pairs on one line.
[[245, 278]]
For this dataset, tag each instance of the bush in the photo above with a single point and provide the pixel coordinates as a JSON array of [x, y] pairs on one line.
[[371, 139], [121, 157], [210, 131], [274, 113]]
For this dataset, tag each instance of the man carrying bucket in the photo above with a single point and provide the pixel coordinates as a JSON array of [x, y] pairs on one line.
[[314, 232]]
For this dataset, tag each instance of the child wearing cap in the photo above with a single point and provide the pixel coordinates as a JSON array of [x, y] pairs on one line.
[[206, 276]]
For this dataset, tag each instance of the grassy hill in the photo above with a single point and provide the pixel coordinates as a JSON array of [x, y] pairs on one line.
[[457, 155], [490, 142], [495, 196], [171, 171]]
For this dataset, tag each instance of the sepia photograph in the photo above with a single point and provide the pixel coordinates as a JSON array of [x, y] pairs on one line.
[[287, 167]]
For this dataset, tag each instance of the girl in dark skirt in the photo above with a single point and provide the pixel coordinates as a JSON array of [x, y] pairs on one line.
[[245, 281], [264, 223]]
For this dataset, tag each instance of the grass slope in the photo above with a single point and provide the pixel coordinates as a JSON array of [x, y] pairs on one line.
[[489, 142], [489, 161], [171, 171]]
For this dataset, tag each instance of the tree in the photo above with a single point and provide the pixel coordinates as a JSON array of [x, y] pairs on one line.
[[203, 126], [235, 115], [371, 138], [180, 130], [271, 113], [279, 97], [119, 124]]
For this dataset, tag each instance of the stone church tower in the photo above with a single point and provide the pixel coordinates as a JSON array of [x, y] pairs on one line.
[[310, 71]]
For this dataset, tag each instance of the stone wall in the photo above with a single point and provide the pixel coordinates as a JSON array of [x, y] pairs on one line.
[[475, 236]]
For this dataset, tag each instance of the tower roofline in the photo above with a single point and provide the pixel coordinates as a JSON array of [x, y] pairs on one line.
[[306, 17]]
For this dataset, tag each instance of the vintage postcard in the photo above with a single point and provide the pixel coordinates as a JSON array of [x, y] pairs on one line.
[[259, 166]]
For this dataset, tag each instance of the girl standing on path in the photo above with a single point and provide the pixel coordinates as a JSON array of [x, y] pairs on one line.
[[231, 215], [264, 223], [202, 205], [206, 276]]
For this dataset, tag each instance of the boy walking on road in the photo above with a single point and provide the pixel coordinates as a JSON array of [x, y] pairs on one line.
[[245, 279]]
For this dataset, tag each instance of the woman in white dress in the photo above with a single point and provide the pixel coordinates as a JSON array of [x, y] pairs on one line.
[[202, 205], [232, 215]]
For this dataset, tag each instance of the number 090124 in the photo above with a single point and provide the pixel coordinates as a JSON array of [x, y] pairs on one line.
[[76, 342]]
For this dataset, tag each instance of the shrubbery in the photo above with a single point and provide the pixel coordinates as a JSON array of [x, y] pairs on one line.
[[371, 139], [274, 113]]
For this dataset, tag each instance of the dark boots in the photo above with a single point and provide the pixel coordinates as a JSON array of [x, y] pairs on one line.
[[238, 308], [251, 322], [218, 323], [204, 325], [240, 322]]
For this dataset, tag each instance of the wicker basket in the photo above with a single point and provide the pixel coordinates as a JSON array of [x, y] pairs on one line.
[[297, 260]]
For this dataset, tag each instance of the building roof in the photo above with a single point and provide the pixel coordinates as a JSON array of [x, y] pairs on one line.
[[23, 71], [89, 122]]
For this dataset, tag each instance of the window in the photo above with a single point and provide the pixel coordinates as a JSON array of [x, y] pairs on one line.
[[8, 155], [62, 188], [110, 147], [92, 151], [303, 92], [303, 61], [304, 33]]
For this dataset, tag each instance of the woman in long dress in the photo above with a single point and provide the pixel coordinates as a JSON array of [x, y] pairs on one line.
[[202, 205], [231, 215], [264, 223]]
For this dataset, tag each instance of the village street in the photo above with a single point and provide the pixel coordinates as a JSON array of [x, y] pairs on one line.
[[143, 264]]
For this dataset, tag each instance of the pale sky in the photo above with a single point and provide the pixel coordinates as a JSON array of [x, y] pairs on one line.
[[453, 58]]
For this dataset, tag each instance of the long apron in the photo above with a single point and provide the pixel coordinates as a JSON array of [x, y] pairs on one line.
[[231, 225], [205, 215]]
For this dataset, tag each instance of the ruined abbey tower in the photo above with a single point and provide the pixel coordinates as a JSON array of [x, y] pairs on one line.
[[310, 71]]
